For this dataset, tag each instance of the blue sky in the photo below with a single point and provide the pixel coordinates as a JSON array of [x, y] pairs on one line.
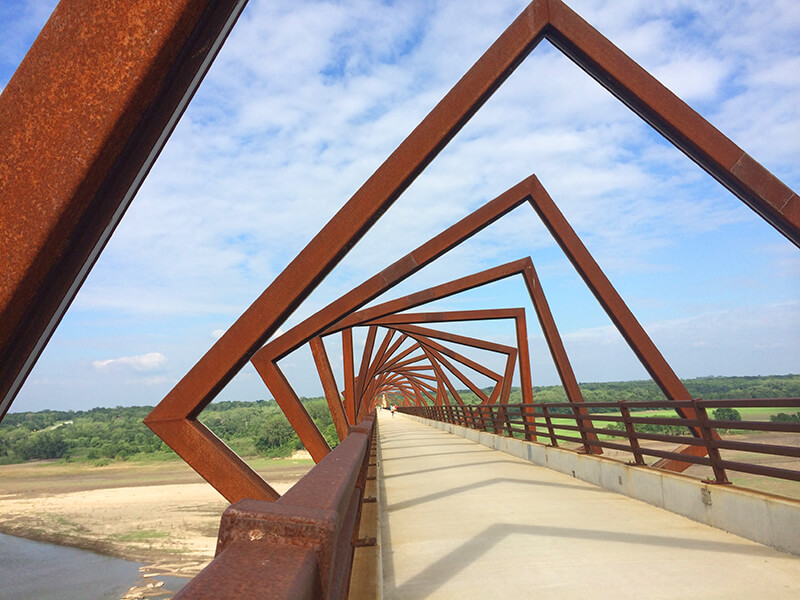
[[308, 98]]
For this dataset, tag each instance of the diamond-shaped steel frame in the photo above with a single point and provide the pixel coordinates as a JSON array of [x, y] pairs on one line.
[[174, 419]]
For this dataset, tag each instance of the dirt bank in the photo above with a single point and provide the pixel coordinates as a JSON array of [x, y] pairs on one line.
[[162, 514]]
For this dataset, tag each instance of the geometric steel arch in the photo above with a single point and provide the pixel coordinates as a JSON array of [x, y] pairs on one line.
[[175, 416]]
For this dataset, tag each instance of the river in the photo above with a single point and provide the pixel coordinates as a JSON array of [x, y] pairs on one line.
[[40, 571]]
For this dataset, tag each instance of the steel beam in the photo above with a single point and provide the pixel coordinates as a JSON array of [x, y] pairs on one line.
[[81, 122]]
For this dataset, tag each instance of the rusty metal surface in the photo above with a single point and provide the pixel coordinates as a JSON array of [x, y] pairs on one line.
[[674, 119], [509, 420], [329, 387], [81, 122], [300, 546]]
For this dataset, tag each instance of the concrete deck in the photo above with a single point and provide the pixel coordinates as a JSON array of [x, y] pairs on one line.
[[460, 520]]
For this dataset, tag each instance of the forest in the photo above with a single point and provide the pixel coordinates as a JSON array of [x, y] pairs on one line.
[[259, 428]]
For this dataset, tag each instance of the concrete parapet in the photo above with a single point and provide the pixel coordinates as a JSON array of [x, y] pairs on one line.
[[770, 520]]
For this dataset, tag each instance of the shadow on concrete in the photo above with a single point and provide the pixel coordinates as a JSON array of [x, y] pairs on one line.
[[437, 454], [450, 492], [467, 554]]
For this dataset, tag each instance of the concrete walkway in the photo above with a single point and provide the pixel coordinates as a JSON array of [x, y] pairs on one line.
[[463, 521]]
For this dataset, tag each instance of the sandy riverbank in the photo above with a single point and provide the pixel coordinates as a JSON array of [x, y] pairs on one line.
[[162, 514]]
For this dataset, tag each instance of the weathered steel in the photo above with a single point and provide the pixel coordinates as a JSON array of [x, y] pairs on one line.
[[600, 58], [329, 387], [81, 122], [510, 352], [520, 327], [674, 119], [295, 412], [312, 525], [348, 363], [717, 463]]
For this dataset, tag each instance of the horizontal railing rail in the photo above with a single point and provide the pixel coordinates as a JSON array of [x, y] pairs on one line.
[[627, 427], [300, 546]]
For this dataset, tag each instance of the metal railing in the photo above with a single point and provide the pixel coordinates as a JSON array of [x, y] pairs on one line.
[[624, 429], [300, 546]]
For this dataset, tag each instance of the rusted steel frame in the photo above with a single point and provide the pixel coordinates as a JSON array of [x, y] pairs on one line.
[[559, 355], [474, 388], [413, 382], [366, 356], [443, 379], [517, 314], [398, 362], [612, 68], [466, 227], [713, 452], [630, 430], [509, 351], [459, 375], [101, 89], [225, 469], [380, 375], [301, 545], [506, 202], [413, 371], [455, 371], [405, 267], [348, 365], [432, 355], [392, 352], [381, 356], [421, 389], [368, 385], [295, 412], [329, 386], [208, 455], [426, 336], [270, 310], [418, 399], [433, 133], [423, 386], [523, 267], [615, 307], [429, 343], [408, 389], [674, 119], [553, 440]]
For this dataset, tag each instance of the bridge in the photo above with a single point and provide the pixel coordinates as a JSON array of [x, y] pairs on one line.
[[411, 507], [514, 498], [462, 520]]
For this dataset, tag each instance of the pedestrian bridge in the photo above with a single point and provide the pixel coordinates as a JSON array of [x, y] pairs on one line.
[[403, 509], [460, 520]]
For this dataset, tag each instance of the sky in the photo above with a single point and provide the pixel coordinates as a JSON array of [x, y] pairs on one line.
[[307, 99]]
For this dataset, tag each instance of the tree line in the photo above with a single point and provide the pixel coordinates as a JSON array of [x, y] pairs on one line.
[[259, 428]]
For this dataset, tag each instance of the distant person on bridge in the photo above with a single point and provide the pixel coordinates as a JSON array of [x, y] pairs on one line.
[[394, 409]]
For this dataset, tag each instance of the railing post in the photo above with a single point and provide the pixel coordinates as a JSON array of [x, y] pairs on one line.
[[713, 452], [523, 409], [549, 423], [529, 419], [493, 412], [506, 419], [633, 440]]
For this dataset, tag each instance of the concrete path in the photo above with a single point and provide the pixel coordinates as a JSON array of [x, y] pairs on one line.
[[463, 521]]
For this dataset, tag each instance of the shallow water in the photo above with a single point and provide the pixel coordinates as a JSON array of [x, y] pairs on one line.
[[41, 571]]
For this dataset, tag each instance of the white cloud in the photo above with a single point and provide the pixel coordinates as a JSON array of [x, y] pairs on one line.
[[152, 361]]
